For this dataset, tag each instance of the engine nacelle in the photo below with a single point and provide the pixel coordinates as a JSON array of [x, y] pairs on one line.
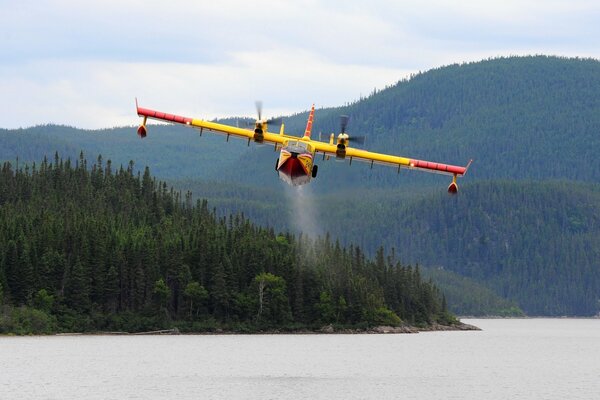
[[259, 129], [340, 151], [142, 131], [258, 136]]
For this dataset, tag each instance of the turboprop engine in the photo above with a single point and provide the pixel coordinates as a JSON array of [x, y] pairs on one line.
[[344, 139], [260, 126]]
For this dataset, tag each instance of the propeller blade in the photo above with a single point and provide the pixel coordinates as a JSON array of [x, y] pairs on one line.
[[357, 139], [271, 121], [258, 104], [343, 123]]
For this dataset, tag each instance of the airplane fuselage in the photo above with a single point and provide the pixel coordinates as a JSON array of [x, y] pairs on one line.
[[296, 162]]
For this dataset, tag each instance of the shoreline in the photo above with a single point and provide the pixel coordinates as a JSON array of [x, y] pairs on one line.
[[383, 329], [325, 330]]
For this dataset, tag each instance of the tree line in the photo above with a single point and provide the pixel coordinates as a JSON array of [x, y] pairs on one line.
[[533, 244], [93, 247]]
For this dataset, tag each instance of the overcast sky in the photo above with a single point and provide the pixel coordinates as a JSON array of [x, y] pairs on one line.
[[82, 63]]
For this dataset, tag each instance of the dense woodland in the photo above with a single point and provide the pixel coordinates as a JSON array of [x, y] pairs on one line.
[[534, 243], [87, 248], [523, 231], [549, 265]]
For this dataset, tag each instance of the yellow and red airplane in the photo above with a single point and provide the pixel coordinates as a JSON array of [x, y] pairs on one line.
[[296, 162]]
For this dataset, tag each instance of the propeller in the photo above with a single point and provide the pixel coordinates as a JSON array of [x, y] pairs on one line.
[[259, 105], [343, 124], [357, 139], [270, 121]]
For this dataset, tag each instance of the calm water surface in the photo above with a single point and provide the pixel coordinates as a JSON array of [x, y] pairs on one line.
[[509, 359]]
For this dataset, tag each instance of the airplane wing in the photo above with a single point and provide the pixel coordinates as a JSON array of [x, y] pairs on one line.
[[351, 153], [262, 137], [339, 150]]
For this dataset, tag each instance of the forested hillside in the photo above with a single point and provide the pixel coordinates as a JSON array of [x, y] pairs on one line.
[[175, 151], [467, 297], [89, 248], [536, 243]]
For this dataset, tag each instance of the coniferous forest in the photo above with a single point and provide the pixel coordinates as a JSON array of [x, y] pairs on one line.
[[97, 248]]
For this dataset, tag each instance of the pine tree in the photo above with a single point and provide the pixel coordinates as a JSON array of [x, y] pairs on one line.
[[77, 288]]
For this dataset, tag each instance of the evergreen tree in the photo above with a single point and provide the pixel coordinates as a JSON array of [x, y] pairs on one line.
[[77, 287]]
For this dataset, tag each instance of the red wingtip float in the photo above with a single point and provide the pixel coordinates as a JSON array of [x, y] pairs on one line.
[[142, 132], [295, 164], [453, 188]]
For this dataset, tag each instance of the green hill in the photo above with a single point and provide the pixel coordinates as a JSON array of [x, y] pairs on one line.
[[470, 298], [174, 151], [535, 243]]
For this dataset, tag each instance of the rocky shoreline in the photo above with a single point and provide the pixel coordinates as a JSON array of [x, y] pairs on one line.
[[402, 329]]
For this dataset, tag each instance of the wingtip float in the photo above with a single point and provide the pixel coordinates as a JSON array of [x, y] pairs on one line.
[[296, 162]]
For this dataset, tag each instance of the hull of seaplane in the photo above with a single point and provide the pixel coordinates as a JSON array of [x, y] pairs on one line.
[[295, 168]]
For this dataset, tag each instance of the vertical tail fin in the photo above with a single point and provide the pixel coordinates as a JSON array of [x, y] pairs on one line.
[[309, 123]]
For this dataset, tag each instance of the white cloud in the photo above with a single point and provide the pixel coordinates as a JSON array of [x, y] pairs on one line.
[[81, 63], [100, 94]]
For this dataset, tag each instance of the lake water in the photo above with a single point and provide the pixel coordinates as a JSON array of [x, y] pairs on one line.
[[509, 359]]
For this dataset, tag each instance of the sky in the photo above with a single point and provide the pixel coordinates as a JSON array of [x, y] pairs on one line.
[[83, 63]]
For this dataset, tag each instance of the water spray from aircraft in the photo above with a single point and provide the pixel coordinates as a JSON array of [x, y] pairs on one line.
[[303, 213]]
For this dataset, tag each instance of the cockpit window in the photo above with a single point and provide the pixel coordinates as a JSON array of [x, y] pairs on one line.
[[299, 145]]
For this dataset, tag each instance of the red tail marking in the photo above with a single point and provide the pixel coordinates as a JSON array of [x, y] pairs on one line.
[[309, 122]]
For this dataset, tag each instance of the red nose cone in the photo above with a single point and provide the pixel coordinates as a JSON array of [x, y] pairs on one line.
[[292, 168], [453, 188], [142, 132]]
